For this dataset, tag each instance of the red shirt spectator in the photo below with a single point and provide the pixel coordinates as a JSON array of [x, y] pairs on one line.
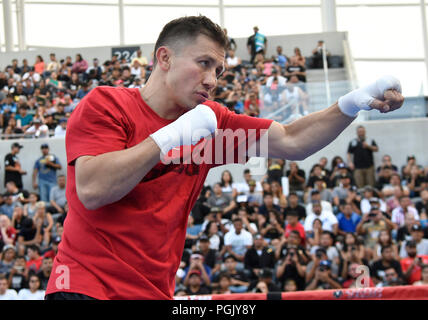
[[416, 273], [7, 232]]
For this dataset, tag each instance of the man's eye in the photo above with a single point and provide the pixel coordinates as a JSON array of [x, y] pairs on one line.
[[204, 63]]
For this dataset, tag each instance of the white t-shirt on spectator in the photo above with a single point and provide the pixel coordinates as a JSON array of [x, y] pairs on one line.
[[26, 294], [281, 81], [41, 132], [325, 205], [398, 215], [365, 206], [10, 294], [327, 218], [243, 187], [238, 241], [59, 132]]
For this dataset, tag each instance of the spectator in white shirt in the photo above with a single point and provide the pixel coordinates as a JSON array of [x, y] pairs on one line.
[[5, 293], [34, 292], [38, 130], [316, 196], [399, 213], [238, 240], [417, 234], [328, 219], [61, 128]]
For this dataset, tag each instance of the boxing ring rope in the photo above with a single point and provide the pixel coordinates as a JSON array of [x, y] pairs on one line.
[[371, 293]]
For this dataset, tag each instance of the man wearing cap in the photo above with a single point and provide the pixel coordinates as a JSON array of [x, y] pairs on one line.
[[417, 234], [38, 129], [196, 263], [44, 172], [323, 278], [12, 166], [360, 158], [195, 286], [412, 265], [61, 128]]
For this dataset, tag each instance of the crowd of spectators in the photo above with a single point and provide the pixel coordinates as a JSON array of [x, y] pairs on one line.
[[291, 230], [31, 224]]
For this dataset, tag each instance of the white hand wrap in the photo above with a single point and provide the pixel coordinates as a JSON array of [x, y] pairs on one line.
[[190, 128], [360, 99]]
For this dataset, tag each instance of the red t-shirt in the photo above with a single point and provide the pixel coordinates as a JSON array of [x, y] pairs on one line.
[[297, 227], [130, 249], [11, 233], [34, 265], [416, 274]]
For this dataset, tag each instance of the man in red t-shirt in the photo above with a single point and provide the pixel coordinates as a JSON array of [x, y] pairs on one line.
[[412, 265], [34, 258], [125, 230], [293, 223]]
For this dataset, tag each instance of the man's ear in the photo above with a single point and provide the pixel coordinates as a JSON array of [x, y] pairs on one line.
[[163, 57]]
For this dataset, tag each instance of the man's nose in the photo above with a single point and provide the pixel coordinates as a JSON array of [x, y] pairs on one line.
[[210, 80]]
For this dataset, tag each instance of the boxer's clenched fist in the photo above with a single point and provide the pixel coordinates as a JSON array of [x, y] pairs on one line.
[[383, 95], [190, 128]]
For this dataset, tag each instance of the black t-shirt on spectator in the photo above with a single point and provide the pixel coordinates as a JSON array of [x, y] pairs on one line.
[[58, 116], [259, 259], [422, 207], [18, 282], [311, 181], [291, 69], [10, 160], [296, 185], [43, 280], [377, 269], [363, 158]]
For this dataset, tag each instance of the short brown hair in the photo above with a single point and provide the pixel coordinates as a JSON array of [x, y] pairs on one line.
[[189, 28]]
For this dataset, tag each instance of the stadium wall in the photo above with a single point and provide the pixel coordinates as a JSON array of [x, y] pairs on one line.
[[398, 138]]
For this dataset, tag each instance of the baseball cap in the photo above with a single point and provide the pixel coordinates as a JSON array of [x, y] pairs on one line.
[[193, 272], [44, 146], [17, 145], [63, 120], [8, 246], [417, 227]]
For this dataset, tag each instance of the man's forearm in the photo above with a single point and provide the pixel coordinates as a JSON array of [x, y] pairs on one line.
[[108, 177], [307, 135]]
